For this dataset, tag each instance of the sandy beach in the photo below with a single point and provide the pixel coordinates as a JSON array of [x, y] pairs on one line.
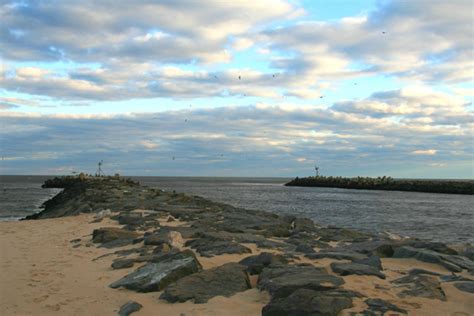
[[44, 273]]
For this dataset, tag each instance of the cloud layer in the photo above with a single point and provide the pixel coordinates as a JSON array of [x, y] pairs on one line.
[[348, 138], [137, 49], [271, 57]]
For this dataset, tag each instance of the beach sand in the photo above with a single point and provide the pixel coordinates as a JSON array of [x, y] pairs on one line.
[[43, 273]]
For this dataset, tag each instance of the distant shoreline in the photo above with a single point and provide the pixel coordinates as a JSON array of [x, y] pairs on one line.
[[388, 184]]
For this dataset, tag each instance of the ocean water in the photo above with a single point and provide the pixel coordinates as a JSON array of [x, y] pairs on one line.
[[439, 217], [22, 195]]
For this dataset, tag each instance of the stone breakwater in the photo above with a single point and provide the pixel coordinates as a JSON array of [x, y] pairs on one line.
[[387, 184], [163, 239]]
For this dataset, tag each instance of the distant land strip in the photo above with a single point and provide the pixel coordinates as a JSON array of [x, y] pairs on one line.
[[388, 184]]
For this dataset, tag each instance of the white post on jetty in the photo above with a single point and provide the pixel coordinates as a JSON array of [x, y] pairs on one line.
[[99, 172]]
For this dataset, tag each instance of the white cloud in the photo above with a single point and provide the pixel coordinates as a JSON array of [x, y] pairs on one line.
[[428, 152]]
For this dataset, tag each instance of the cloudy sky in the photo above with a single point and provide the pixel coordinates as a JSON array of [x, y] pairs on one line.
[[238, 88]]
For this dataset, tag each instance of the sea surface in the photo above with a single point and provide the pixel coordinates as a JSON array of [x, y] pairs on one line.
[[438, 217]]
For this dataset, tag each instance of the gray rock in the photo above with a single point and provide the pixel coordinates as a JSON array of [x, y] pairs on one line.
[[108, 234], [117, 243], [282, 281], [381, 306], [373, 261], [422, 286], [466, 286], [380, 248], [255, 264], [131, 219], [469, 253], [355, 268], [129, 308], [336, 255], [156, 239], [209, 247], [304, 248], [419, 254], [155, 276], [122, 264], [453, 263], [434, 246], [306, 302], [225, 280], [422, 271]]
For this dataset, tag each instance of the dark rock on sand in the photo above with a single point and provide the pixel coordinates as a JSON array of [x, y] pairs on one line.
[[129, 308], [306, 302], [134, 219], [382, 306], [469, 253], [255, 264], [466, 286], [108, 234], [304, 248], [156, 239], [434, 246], [209, 247], [453, 278], [155, 276], [380, 248], [422, 286], [355, 268], [417, 271], [122, 264], [453, 263], [336, 255], [225, 280], [282, 281], [373, 261]]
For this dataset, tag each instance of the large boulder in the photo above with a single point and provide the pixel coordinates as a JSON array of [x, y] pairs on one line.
[[420, 285], [108, 234], [305, 302], [225, 280], [155, 276], [453, 263], [373, 261], [255, 264], [282, 281]]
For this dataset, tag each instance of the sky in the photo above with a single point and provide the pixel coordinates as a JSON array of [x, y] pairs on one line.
[[268, 88]]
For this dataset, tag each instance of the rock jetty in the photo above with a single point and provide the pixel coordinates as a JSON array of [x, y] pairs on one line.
[[387, 184], [162, 238]]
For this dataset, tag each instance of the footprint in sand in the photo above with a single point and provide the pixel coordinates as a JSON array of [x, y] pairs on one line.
[[54, 307], [40, 299]]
